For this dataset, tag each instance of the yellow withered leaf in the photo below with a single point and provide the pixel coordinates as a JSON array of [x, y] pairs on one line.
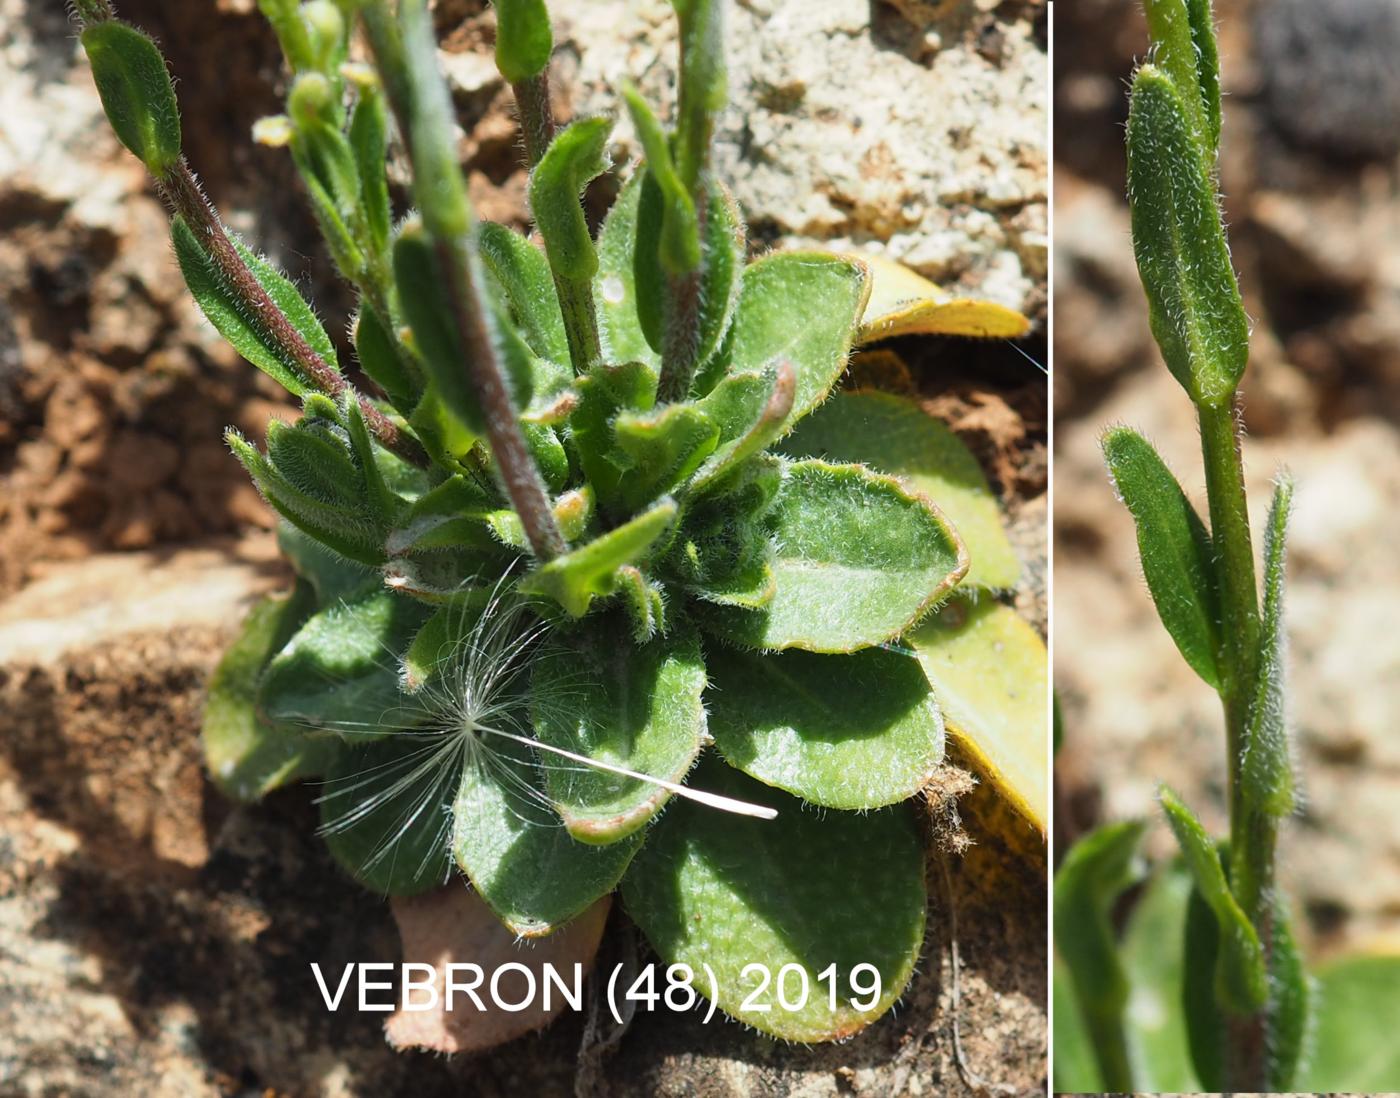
[[904, 303], [987, 668]]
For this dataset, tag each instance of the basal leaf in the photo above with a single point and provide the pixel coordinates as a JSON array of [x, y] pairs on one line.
[[750, 408], [637, 706], [893, 435], [989, 671], [384, 815], [1177, 557], [853, 732], [227, 313], [340, 672], [1076, 1069], [807, 893], [905, 303], [801, 308], [575, 579], [531, 872], [246, 755], [857, 561]]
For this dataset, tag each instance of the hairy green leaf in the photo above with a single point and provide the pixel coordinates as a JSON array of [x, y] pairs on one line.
[[1205, 1021], [638, 707], [1266, 772], [802, 308], [750, 408], [1193, 300], [369, 139], [524, 39], [246, 755], [382, 358], [1177, 557], [384, 818], [575, 156], [1154, 961], [522, 272], [675, 243], [348, 529], [1354, 1050], [227, 312], [575, 579], [894, 435], [340, 672], [530, 871], [331, 575], [615, 288], [857, 561], [799, 894], [1241, 980], [1290, 1004], [137, 93], [1183, 39], [854, 732], [664, 446]]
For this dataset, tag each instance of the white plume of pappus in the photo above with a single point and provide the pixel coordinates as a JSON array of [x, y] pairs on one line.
[[467, 713]]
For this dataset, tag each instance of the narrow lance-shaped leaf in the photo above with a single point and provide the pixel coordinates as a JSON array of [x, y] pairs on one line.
[[1193, 299], [1290, 1004], [1266, 774], [136, 91], [1242, 984], [1175, 548], [228, 313], [679, 243], [1093, 874], [369, 138], [575, 579], [575, 157], [1183, 38]]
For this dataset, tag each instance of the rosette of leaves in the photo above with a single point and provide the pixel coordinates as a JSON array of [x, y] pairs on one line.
[[601, 430]]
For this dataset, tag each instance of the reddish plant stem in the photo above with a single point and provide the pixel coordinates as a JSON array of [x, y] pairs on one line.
[[536, 115], [183, 196]]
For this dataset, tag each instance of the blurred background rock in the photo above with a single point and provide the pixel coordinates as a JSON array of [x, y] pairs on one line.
[[1312, 186], [153, 937]]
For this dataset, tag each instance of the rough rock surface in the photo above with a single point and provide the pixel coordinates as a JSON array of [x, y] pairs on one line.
[[1315, 242]]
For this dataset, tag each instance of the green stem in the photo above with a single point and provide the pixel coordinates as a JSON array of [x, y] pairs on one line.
[[1252, 835], [580, 321]]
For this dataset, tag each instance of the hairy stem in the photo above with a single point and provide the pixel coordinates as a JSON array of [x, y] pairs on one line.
[[414, 99], [580, 321], [519, 474], [183, 196], [1252, 836], [536, 115], [680, 349]]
